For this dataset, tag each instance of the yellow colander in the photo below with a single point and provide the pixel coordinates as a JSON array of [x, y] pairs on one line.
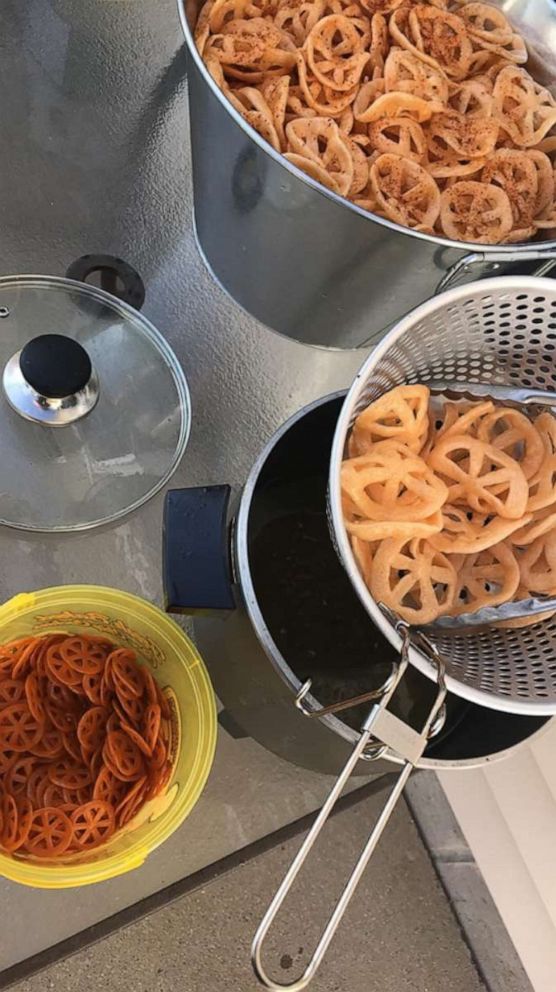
[[130, 622]]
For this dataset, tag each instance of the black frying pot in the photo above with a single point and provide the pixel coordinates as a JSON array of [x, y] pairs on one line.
[[274, 608]]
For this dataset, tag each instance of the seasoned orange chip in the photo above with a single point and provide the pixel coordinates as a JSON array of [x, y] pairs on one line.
[[73, 770]]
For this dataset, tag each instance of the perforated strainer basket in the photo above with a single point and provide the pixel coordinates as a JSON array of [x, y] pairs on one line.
[[499, 331]]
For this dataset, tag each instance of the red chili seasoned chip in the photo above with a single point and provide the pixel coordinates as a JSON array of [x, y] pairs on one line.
[[86, 655], [158, 781], [64, 720], [58, 668], [92, 688], [108, 787], [160, 754], [126, 673], [11, 653], [150, 685], [124, 757], [69, 775], [50, 745], [9, 823], [50, 833], [11, 691], [132, 707], [137, 738], [61, 696], [132, 801], [91, 729], [163, 703], [6, 759], [151, 725], [77, 796], [6, 666], [37, 783], [93, 824], [75, 744], [96, 762], [34, 697], [22, 660], [54, 795], [38, 660], [16, 817], [106, 689], [18, 775], [72, 747], [19, 730]]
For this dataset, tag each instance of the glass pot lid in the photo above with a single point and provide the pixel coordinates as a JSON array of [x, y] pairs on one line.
[[94, 407]]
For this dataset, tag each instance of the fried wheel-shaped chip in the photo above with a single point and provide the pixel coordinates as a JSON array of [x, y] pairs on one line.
[[335, 52], [537, 565], [404, 72], [466, 532], [526, 110], [414, 579], [400, 415], [485, 477], [462, 135], [434, 35], [405, 191], [50, 833], [542, 485], [487, 578], [512, 432], [392, 483], [473, 211], [320, 140]]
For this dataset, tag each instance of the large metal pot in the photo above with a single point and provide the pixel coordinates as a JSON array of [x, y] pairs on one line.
[[258, 670], [303, 260]]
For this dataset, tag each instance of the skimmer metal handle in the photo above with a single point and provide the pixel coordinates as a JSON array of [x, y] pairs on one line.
[[381, 726]]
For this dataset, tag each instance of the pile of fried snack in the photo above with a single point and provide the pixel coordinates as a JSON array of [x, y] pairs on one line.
[[420, 112], [84, 743], [450, 508]]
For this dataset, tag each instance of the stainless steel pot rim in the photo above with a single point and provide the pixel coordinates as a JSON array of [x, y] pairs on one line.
[[461, 246], [495, 285]]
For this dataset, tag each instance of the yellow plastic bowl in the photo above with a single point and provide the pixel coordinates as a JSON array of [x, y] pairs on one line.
[[131, 622]]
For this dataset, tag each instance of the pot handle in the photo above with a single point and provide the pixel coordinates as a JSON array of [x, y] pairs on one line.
[[196, 566], [379, 726], [547, 257]]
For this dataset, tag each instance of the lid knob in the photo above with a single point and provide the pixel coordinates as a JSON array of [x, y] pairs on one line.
[[51, 381], [55, 366]]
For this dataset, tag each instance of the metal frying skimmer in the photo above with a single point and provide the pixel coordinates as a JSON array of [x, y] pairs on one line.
[[498, 332]]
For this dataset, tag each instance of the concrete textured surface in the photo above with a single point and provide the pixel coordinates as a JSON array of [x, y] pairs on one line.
[[399, 934], [95, 126], [474, 907], [250, 793], [484, 929]]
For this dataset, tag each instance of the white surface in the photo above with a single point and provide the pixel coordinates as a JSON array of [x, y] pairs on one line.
[[507, 812]]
